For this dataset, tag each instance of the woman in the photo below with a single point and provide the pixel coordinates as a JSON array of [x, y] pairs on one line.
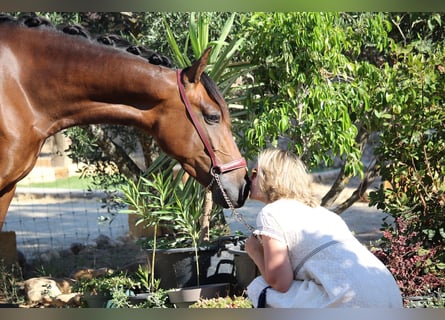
[[306, 254]]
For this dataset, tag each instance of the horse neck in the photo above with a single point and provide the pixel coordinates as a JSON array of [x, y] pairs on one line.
[[119, 90], [84, 83]]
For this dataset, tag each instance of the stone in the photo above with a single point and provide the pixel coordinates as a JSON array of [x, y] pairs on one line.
[[51, 292], [88, 273], [104, 242], [67, 299], [41, 290], [77, 247]]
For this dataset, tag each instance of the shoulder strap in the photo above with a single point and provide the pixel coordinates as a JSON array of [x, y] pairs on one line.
[[312, 253]]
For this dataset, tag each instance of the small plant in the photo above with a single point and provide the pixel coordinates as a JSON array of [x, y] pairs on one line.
[[223, 302], [414, 267], [155, 297], [431, 300], [10, 278], [120, 289], [106, 284], [144, 280], [162, 198]]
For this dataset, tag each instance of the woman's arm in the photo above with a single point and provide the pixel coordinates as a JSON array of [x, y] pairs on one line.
[[272, 260]]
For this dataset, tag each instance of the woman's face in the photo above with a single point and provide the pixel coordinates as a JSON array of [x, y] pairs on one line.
[[255, 192]]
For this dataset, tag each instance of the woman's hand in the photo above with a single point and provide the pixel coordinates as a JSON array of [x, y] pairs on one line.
[[254, 249]]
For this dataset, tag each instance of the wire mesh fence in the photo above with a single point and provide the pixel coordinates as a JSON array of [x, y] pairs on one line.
[[54, 219]]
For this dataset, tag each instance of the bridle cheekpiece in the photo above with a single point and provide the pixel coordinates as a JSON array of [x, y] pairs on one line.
[[217, 168]]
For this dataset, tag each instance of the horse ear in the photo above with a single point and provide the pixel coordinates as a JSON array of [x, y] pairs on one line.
[[195, 71]]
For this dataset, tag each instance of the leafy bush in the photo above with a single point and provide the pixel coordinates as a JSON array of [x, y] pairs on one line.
[[11, 277], [414, 267], [223, 302], [411, 153], [105, 284]]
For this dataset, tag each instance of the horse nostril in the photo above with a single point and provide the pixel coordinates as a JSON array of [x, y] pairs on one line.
[[246, 188]]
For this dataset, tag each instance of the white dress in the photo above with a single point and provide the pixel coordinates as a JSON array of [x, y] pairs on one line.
[[345, 274]]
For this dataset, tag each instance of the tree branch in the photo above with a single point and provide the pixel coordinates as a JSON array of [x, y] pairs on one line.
[[337, 188], [150, 148], [369, 178], [342, 180], [115, 152]]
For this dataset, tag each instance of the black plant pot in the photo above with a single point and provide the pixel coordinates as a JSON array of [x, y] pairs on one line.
[[176, 268], [9, 305], [98, 300]]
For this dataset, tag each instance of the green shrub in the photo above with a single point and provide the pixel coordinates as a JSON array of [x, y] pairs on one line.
[[223, 302]]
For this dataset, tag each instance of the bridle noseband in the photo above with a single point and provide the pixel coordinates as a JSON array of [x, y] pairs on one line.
[[216, 168]]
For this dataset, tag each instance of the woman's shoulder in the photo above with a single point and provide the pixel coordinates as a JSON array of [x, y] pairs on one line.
[[296, 209], [286, 208], [292, 205], [287, 203]]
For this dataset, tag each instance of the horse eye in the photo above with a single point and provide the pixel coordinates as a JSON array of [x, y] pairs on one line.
[[212, 118]]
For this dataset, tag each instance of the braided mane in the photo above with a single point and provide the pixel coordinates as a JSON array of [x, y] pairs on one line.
[[33, 21]]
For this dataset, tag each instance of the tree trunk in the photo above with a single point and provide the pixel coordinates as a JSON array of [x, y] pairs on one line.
[[125, 164], [342, 180], [337, 188], [150, 149], [369, 178], [205, 217]]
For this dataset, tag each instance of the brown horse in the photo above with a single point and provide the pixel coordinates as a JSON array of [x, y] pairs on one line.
[[50, 81]]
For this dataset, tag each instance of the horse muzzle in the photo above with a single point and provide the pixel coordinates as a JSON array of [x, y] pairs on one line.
[[230, 194]]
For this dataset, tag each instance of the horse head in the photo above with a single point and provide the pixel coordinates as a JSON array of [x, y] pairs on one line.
[[210, 155]]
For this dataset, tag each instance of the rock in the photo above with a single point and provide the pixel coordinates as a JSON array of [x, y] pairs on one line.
[[102, 272], [104, 242], [41, 290], [82, 274], [67, 299], [49, 255], [87, 273], [51, 291], [77, 247], [65, 285]]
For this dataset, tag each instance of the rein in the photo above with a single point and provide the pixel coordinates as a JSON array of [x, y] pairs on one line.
[[217, 168]]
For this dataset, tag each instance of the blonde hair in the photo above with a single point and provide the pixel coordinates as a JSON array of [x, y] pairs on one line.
[[281, 174]]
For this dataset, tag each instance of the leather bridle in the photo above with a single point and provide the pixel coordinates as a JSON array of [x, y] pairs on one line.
[[217, 168]]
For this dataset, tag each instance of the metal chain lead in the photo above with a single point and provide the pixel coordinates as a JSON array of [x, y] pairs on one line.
[[235, 213]]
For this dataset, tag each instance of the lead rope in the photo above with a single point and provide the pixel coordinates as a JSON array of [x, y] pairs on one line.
[[235, 213]]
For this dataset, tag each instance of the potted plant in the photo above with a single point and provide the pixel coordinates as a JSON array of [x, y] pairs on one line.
[[163, 198], [98, 292], [147, 293], [188, 201]]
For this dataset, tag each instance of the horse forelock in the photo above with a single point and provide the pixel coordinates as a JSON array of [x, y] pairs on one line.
[[216, 95]]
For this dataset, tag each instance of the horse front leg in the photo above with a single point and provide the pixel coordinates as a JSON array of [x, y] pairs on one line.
[[6, 196], [16, 162]]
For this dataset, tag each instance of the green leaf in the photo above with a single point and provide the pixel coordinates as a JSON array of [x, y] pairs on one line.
[[182, 60], [223, 36], [440, 265]]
